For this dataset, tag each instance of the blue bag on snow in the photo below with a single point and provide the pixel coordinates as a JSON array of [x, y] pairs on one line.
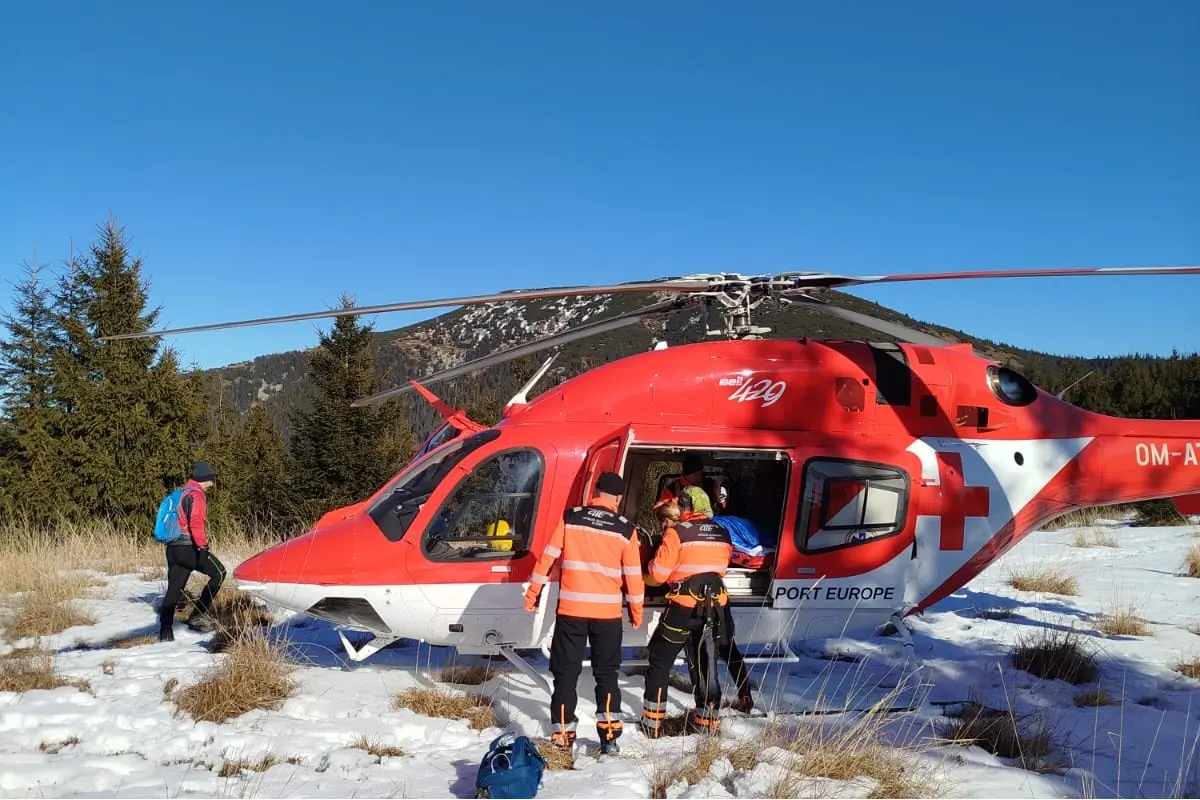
[[512, 767], [167, 526]]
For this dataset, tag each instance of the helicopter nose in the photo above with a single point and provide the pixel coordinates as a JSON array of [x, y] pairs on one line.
[[322, 556]]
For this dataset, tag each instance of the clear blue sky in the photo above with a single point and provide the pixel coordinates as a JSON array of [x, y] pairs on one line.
[[265, 158]]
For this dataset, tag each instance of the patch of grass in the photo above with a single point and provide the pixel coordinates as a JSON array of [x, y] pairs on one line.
[[996, 613], [378, 749], [1191, 562], [556, 757], [1056, 655], [464, 676], [233, 767], [108, 666], [1000, 732], [1089, 698], [27, 670], [1094, 537], [475, 710], [1123, 620], [856, 750], [54, 747], [238, 616], [1048, 579], [255, 674], [1189, 668]]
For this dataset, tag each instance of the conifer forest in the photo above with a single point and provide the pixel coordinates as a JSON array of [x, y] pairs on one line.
[[95, 430]]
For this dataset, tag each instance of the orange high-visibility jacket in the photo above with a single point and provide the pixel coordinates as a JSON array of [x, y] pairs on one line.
[[691, 548], [599, 550]]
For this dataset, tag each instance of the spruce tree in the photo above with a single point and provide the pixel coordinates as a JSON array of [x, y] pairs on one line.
[[259, 483], [130, 417], [342, 454], [31, 471]]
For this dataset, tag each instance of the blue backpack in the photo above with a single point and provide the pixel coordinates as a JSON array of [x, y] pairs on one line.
[[512, 767], [167, 524]]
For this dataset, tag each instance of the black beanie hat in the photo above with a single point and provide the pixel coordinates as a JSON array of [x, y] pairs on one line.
[[610, 483], [692, 463], [202, 471]]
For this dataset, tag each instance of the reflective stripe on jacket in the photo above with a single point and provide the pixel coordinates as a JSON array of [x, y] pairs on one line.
[[599, 551], [691, 548]]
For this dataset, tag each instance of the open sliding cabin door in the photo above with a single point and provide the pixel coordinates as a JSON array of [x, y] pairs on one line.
[[607, 455], [846, 559]]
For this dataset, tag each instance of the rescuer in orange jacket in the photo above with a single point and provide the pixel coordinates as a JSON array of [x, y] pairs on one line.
[[599, 551], [669, 515], [691, 560]]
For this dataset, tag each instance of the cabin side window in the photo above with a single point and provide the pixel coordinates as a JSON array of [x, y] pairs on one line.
[[490, 513], [845, 503]]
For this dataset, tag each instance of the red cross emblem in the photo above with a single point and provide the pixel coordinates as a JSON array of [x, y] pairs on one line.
[[954, 501]]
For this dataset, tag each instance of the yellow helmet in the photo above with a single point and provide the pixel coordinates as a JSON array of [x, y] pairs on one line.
[[500, 528]]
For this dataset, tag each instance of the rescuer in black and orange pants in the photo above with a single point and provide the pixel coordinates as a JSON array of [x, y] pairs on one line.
[[691, 560], [599, 551], [669, 514]]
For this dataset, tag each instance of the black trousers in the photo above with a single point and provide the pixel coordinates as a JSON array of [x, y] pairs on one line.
[[182, 561], [681, 628], [728, 650], [571, 636]]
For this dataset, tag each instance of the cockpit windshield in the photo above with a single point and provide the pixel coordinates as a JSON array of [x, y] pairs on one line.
[[398, 506]]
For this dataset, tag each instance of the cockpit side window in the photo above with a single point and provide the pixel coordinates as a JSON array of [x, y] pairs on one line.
[[845, 503], [490, 514], [395, 510]]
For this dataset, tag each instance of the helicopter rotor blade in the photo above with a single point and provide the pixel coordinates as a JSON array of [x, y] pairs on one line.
[[825, 280], [901, 332], [692, 284], [528, 348]]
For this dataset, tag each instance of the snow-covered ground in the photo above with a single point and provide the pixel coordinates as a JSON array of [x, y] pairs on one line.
[[123, 739]]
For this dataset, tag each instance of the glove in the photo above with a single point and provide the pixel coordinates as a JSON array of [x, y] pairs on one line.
[[635, 616], [531, 597]]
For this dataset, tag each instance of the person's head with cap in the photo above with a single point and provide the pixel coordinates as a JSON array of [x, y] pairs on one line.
[[693, 468], [610, 483], [203, 474]]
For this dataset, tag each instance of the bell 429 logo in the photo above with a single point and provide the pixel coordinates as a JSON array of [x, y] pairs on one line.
[[765, 390]]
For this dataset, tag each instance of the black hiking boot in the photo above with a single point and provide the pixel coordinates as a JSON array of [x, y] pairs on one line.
[[744, 704], [201, 623], [166, 635], [609, 747]]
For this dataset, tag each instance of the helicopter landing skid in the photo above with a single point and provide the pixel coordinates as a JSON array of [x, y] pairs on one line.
[[368, 648]]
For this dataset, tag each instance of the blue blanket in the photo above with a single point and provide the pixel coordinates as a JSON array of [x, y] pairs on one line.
[[746, 536]]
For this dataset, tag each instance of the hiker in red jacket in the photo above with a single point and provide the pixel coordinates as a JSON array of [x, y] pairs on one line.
[[189, 553]]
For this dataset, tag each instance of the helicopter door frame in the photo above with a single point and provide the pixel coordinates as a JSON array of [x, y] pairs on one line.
[[597, 463]]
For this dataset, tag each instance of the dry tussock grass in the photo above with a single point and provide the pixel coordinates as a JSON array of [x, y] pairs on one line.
[[376, 748], [1192, 561], [1122, 619], [1051, 580], [857, 750], [1056, 655], [27, 670], [26, 549], [475, 710], [235, 766], [1090, 698], [1094, 537], [556, 757], [1002, 732], [254, 674], [459, 675], [237, 616], [1189, 668]]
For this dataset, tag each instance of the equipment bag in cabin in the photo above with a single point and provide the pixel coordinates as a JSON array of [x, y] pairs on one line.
[[512, 767]]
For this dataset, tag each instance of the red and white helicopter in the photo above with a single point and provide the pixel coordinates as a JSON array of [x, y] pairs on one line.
[[882, 477]]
